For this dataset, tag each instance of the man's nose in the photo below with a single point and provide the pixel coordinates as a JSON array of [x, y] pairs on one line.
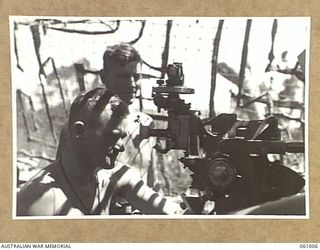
[[134, 82], [119, 146], [130, 83], [132, 79]]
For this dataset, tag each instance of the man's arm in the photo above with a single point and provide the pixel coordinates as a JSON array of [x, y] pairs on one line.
[[144, 198]]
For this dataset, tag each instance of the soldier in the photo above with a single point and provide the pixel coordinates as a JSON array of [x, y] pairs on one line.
[[119, 74], [87, 178]]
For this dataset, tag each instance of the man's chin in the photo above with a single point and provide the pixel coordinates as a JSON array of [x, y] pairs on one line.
[[128, 99], [110, 161]]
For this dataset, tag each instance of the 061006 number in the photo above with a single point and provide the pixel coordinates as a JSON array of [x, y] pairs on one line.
[[310, 245]]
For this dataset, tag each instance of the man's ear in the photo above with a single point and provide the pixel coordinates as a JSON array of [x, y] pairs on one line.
[[78, 129]]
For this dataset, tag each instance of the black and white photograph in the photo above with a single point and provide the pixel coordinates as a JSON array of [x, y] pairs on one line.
[[160, 117]]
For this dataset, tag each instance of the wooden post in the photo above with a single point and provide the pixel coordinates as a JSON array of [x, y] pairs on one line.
[[59, 85], [165, 53], [244, 60], [273, 35], [214, 64], [44, 95], [37, 42], [16, 46], [24, 116], [80, 76]]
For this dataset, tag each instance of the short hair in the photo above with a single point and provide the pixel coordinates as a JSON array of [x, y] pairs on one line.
[[88, 106], [122, 53]]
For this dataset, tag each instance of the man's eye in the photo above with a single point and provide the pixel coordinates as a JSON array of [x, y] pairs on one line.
[[112, 133], [123, 135], [119, 133]]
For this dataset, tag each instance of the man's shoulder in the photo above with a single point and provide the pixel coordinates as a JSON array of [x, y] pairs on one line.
[[38, 194], [43, 172], [39, 184]]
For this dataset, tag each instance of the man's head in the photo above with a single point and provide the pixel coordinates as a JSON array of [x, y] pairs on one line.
[[119, 72], [96, 126]]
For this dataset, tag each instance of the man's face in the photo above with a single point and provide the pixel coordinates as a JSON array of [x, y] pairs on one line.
[[103, 139], [121, 79]]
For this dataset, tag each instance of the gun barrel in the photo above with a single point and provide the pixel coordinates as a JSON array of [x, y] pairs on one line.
[[276, 147], [295, 147], [238, 146]]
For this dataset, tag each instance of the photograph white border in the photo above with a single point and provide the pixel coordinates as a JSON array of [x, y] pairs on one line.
[[146, 217]]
